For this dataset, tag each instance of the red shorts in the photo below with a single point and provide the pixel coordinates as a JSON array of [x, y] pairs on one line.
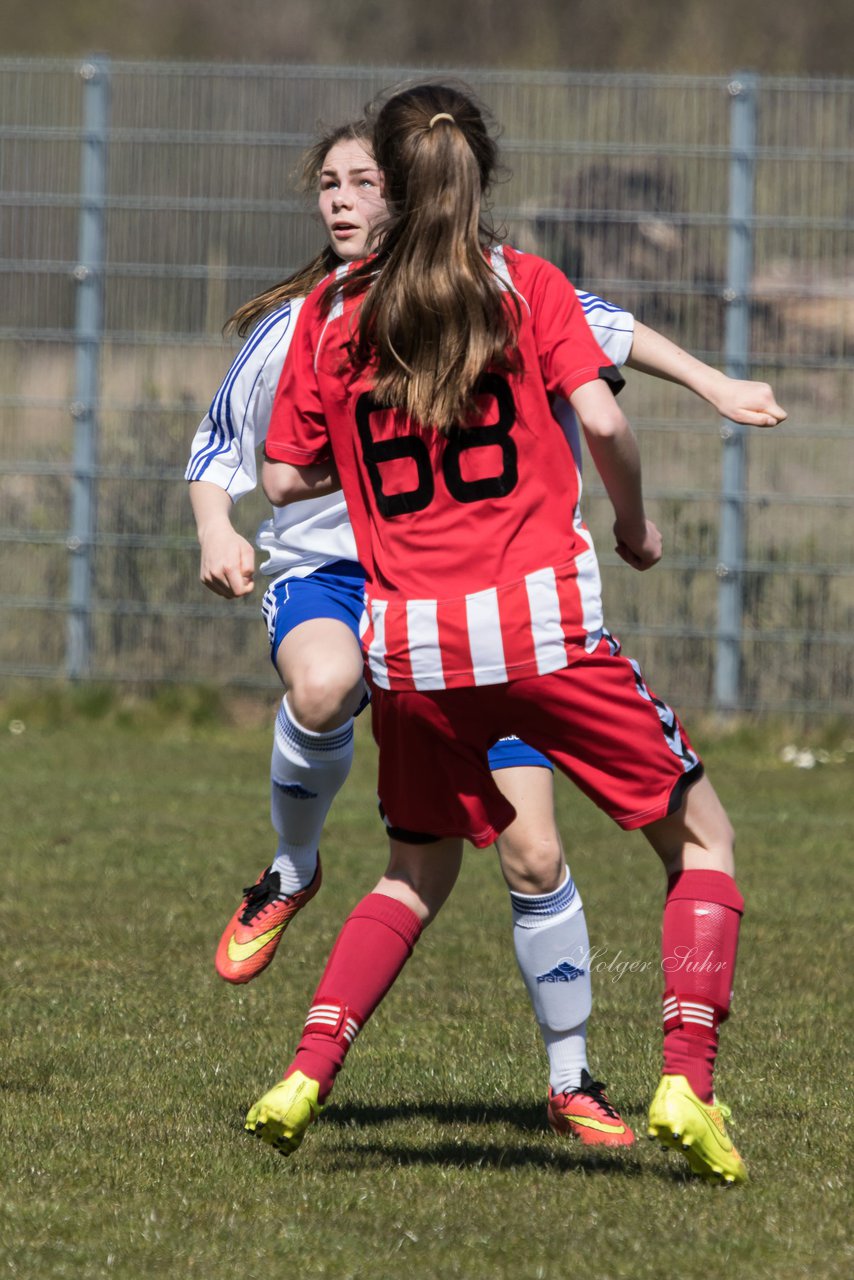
[[596, 720]]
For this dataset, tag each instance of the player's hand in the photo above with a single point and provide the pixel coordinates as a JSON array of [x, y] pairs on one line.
[[228, 563], [751, 403], [640, 547]]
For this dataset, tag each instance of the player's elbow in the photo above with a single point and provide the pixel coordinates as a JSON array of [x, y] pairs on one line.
[[598, 411], [608, 422]]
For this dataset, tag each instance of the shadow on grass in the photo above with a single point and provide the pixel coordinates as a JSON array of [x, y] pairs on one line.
[[354, 1150], [523, 1115], [478, 1155]]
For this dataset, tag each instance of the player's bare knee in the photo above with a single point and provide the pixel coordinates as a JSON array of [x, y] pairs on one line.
[[532, 866], [322, 698]]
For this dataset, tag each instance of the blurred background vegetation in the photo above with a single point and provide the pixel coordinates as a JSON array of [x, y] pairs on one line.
[[781, 37]]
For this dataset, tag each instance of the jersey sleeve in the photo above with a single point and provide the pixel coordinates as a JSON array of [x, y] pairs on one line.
[[569, 354], [613, 328], [298, 432], [235, 425]]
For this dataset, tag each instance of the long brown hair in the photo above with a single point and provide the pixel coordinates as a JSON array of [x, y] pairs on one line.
[[303, 281], [434, 316]]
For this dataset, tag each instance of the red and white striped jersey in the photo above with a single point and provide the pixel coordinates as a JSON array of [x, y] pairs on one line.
[[479, 567]]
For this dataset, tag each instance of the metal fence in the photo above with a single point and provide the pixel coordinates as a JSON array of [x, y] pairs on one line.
[[142, 202]]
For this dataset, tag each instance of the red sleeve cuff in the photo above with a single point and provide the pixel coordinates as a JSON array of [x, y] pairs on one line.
[[607, 373], [296, 457]]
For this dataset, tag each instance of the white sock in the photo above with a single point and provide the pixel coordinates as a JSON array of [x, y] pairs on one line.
[[552, 950], [307, 771], [567, 1052]]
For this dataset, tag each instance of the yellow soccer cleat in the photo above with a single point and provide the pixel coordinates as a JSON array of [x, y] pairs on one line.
[[679, 1120], [284, 1113]]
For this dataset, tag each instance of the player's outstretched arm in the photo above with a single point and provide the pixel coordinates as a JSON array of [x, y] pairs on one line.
[[227, 559], [751, 403], [284, 483], [616, 456]]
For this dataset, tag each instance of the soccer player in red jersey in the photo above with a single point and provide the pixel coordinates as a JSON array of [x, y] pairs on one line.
[[313, 608], [428, 378]]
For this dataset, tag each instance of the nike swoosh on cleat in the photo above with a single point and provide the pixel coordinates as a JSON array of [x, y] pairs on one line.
[[238, 951], [723, 1140], [588, 1123]]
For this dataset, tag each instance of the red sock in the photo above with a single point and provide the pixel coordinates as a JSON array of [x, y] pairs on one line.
[[699, 939], [373, 946]]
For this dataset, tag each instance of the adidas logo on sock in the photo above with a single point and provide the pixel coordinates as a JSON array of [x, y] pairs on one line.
[[563, 972], [295, 789]]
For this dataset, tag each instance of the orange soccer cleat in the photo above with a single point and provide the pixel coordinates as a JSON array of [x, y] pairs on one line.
[[255, 930], [587, 1114]]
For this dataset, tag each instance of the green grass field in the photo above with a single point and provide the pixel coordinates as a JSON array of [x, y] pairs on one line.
[[127, 1066]]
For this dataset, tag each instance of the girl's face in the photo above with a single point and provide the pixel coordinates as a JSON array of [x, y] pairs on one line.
[[350, 200]]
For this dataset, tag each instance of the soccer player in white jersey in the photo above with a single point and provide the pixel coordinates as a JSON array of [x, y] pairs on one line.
[[388, 358], [313, 608]]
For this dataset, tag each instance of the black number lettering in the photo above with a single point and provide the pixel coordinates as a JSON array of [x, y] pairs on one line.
[[460, 440], [375, 452], [493, 433]]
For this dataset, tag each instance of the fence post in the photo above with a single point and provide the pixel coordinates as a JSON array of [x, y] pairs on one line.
[[743, 89], [88, 332]]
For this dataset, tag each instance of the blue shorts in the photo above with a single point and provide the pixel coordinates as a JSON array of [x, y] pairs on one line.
[[335, 591], [513, 753]]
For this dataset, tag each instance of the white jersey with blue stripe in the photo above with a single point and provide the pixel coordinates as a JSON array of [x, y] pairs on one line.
[[304, 536], [299, 538], [614, 330]]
